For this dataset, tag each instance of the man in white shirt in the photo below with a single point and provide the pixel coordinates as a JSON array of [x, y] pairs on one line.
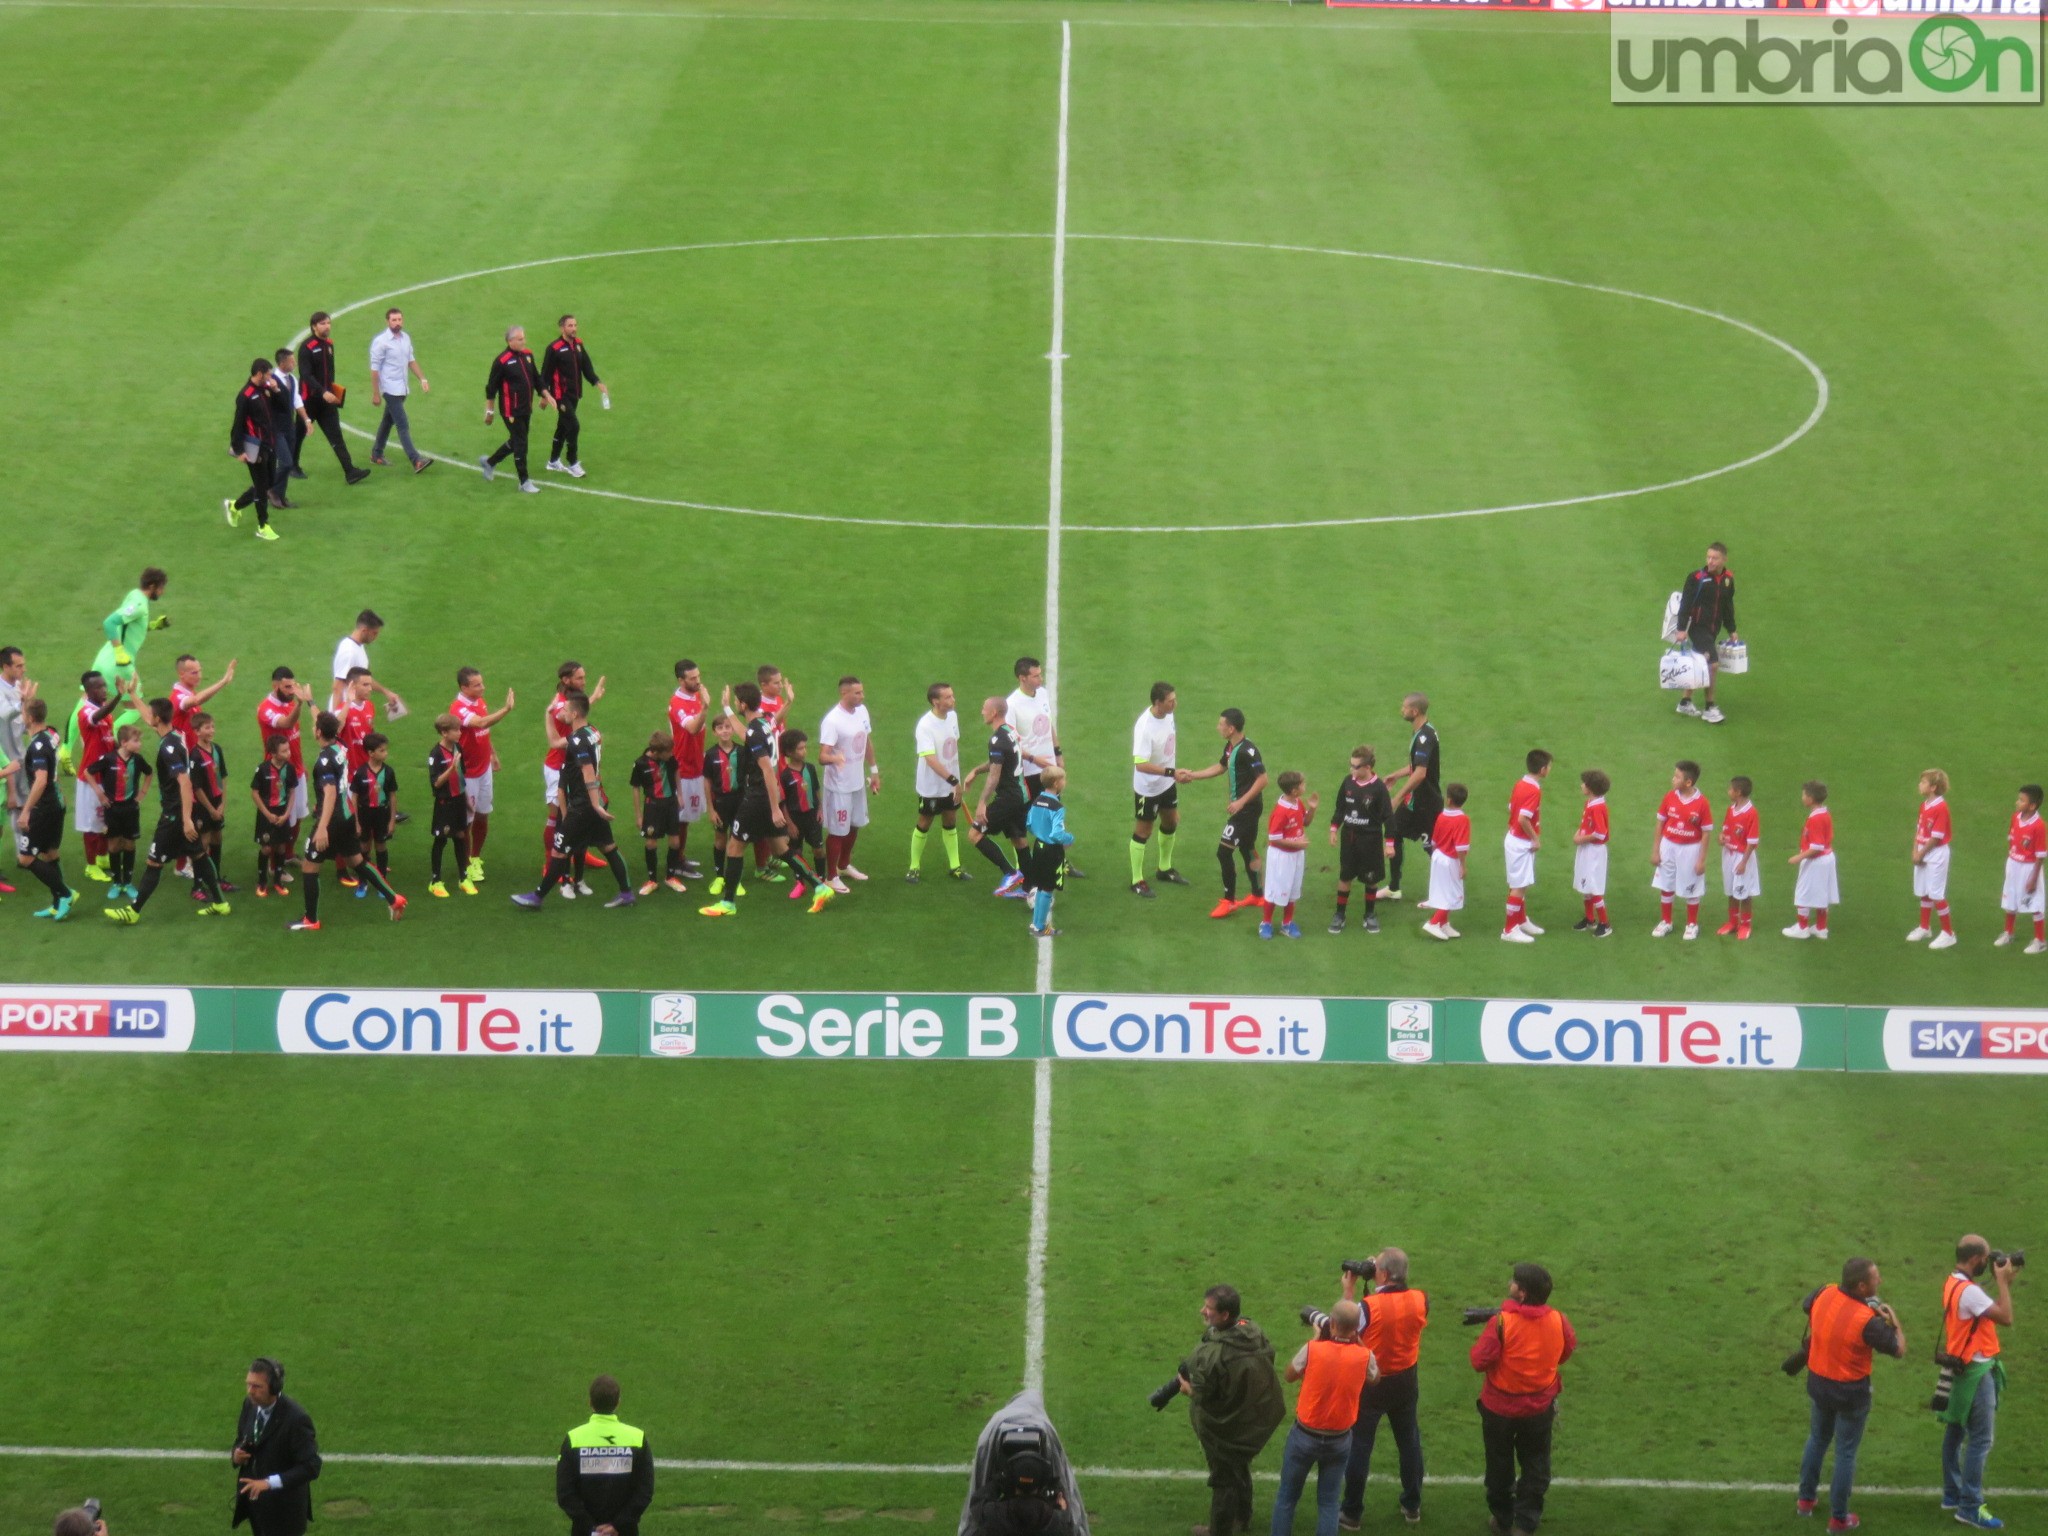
[[846, 746], [938, 781], [15, 691], [288, 425], [1970, 1321], [351, 651], [392, 369], [1154, 791]]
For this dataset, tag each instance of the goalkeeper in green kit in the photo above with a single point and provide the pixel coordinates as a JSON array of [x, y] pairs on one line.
[[126, 628]]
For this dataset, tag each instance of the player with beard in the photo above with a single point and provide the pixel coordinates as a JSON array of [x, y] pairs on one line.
[[761, 820], [177, 835]]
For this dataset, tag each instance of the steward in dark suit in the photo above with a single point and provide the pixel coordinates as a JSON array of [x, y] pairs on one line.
[[276, 1457]]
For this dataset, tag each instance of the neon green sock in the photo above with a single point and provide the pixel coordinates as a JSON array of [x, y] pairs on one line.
[[1166, 849], [950, 836], [1137, 862], [917, 837]]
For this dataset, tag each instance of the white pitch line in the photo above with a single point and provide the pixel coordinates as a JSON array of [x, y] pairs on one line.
[[950, 1469]]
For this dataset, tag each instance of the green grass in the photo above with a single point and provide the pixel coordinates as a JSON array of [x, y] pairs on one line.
[[798, 1263]]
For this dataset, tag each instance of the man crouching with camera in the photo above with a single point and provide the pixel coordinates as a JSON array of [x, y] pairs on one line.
[[1395, 1316], [1234, 1402]]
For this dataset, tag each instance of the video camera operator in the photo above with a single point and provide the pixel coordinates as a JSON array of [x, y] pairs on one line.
[[1968, 1405], [1846, 1323], [1395, 1316], [1023, 1484], [1333, 1368], [1520, 1346], [1234, 1402], [83, 1521]]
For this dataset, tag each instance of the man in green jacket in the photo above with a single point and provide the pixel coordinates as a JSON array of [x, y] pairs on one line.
[[1235, 1404]]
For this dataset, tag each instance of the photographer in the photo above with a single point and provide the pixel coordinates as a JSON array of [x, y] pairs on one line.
[[1970, 1321], [1023, 1484], [1846, 1324], [1519, 1349], [1333, 1368], [1235, 1404], [83, 1521], [1394, 1319]]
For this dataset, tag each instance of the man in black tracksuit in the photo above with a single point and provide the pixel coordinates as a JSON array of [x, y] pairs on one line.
[[512, 390], [564, 371], [322, 397], [249, 441], [1706, 606]]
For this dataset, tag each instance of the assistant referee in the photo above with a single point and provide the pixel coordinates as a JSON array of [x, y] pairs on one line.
[[604, 1480]]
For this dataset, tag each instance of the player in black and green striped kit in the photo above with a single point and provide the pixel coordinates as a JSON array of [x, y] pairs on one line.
[[1243, 773]]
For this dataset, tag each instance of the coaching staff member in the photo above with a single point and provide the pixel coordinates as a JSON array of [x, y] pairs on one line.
[[1235, 1404], [1845, 1325], [323, 395], [276, 1457], [1395, 1316], [1706, 606], [249, 440], [1519, 1349], [564, 371], [604, 1480], [511, 391]]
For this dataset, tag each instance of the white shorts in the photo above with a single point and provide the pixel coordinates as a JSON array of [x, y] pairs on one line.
[[1679, 870], [301, 801], [1746, 885], [2016, 898], [1589, 869], [691, 799], [1521, 861], [1284, 869], [844, 811], [1817, 885], [1446, 884], [86, 815], [480, 792], [552, 778], [1930, 875]]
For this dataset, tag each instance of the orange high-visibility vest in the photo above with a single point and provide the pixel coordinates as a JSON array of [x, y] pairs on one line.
[[1837, 1350], [1965, 1336], [1330, 1386], [1395, 1332], [1530, 1348]]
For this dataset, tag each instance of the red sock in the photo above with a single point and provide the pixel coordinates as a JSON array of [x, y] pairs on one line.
[[1289, 916], [1948, 924], [760, 855], [1926, 914], [1589, 909], [95, 846], [547, 839], [1820, 919], [846, 847], [1599, 909], [2040, 931], [479, 829], [1440, 919], [1514, 919], [1692, 914], [1664, 907], [2009, 917], [831, 854], [1268, 906]]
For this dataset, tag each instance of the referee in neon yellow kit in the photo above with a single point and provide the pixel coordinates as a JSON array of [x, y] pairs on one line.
[[605, 1478]]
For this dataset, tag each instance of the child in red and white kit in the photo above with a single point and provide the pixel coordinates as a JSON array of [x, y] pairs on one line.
[[1518, 848], [1817, 889], [1286, 855], [2026, 847], [1741, 831], [1589, 862], [1931, 837], [1449, 842]]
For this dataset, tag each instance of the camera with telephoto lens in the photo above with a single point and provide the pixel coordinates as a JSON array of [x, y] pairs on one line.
[[1474, 1316], [1317, 1321], [2017, 1258], [1365, 1269], [1170, 1391]]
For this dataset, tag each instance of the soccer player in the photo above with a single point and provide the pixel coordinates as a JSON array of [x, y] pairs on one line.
[[1155, 797], [209, 793], [1450, 840], [1706, 606], [846, 745], [323, 395], [336, 836], [176, 836], [1589, 858], [1741, 876], [654, 785], [513, 390], [564, 369], [1243, 773], [1524, 837], [2026, 846], [278, 715], [278, 790], [41, 818], [1817, 888], [1932, 836], [1361, 822], [447, 779], [760, 818], [374, 783], [777, 695], [119, 780], [191, 693], [250, 440], [88, 737], [1046, 863], [938, 781], [1417, 788], [125, 630], [1678, 864], [474, 719], [687, 717], [570, 677], [1000, 810], [800, 800], [358, 716], [1287, 855], [723, 781], [585, 819]]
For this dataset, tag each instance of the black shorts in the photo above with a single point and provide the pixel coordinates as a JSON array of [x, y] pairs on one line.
[[726, 808], [169, 843], [936, 805], [123, 820], [343, 842], [1242, 830], [204, 824], [1704, 641], [1044, 866], [1008, 816], [45, 828], [374, 823], [658, 818], [1361, 855], [581, 828], [806, 827], [270, 834], [755, 822], [451, 817], [1416, 819], [1148, 807]]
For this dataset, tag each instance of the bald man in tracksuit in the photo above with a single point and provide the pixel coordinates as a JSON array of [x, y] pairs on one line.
[[513, 389]]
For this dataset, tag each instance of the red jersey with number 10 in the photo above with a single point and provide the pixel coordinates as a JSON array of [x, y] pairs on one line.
[[1526, 800], [1686, 818], [2028, 838]]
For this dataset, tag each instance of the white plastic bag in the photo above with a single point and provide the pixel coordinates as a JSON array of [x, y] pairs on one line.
[[1734, 657], [1670, 631], [1682, 667]]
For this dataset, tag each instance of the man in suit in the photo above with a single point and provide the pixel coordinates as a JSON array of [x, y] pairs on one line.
[[276, 1457]]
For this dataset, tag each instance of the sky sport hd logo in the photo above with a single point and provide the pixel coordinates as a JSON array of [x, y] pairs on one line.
[[1672, 58]]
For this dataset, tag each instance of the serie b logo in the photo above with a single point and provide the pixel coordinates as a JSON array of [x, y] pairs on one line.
[[672, 1024], [1411, 1031]]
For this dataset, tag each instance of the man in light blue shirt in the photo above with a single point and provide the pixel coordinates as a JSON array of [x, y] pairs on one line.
[[391, 360]]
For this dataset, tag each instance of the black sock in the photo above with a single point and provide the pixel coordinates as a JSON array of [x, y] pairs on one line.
[[992, 851], [150, 875], [556, 872], [1343, 900], [654, 861], [377, 882], [1229, 866], [735, 866], [809, 876], [440, 848], [1372, 894], [1394, 868], [45, 870], [384, 862], [207, 874], [311, 886], [616, 862]]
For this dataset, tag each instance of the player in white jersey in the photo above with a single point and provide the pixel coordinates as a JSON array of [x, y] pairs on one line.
[[938, 781], [846, 746], [1154, 790]]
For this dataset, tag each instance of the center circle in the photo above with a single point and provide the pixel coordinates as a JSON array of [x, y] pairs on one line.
[[1196, 394]]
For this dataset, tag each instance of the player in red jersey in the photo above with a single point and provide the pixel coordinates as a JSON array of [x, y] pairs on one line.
[[191, 693], [1678, 865], [1818, 888], [1450, 839], [1741, 831], [570, 677], [479, 762], [2026, 846], [1524, 837], [1286, 855], [1589, 857], [1931, 838], [88, 737], [278, 715], [688, 710]]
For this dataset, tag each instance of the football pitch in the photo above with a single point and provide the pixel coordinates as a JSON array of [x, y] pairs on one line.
[[1299, 358]]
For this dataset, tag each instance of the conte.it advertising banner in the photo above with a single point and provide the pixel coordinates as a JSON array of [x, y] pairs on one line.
[[852, 1026], [1622, 1034], [1110, 1027], [479, 1025], [38, 1018]]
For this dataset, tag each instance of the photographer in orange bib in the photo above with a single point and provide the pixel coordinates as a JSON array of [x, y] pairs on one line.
[[1519, 1348]]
